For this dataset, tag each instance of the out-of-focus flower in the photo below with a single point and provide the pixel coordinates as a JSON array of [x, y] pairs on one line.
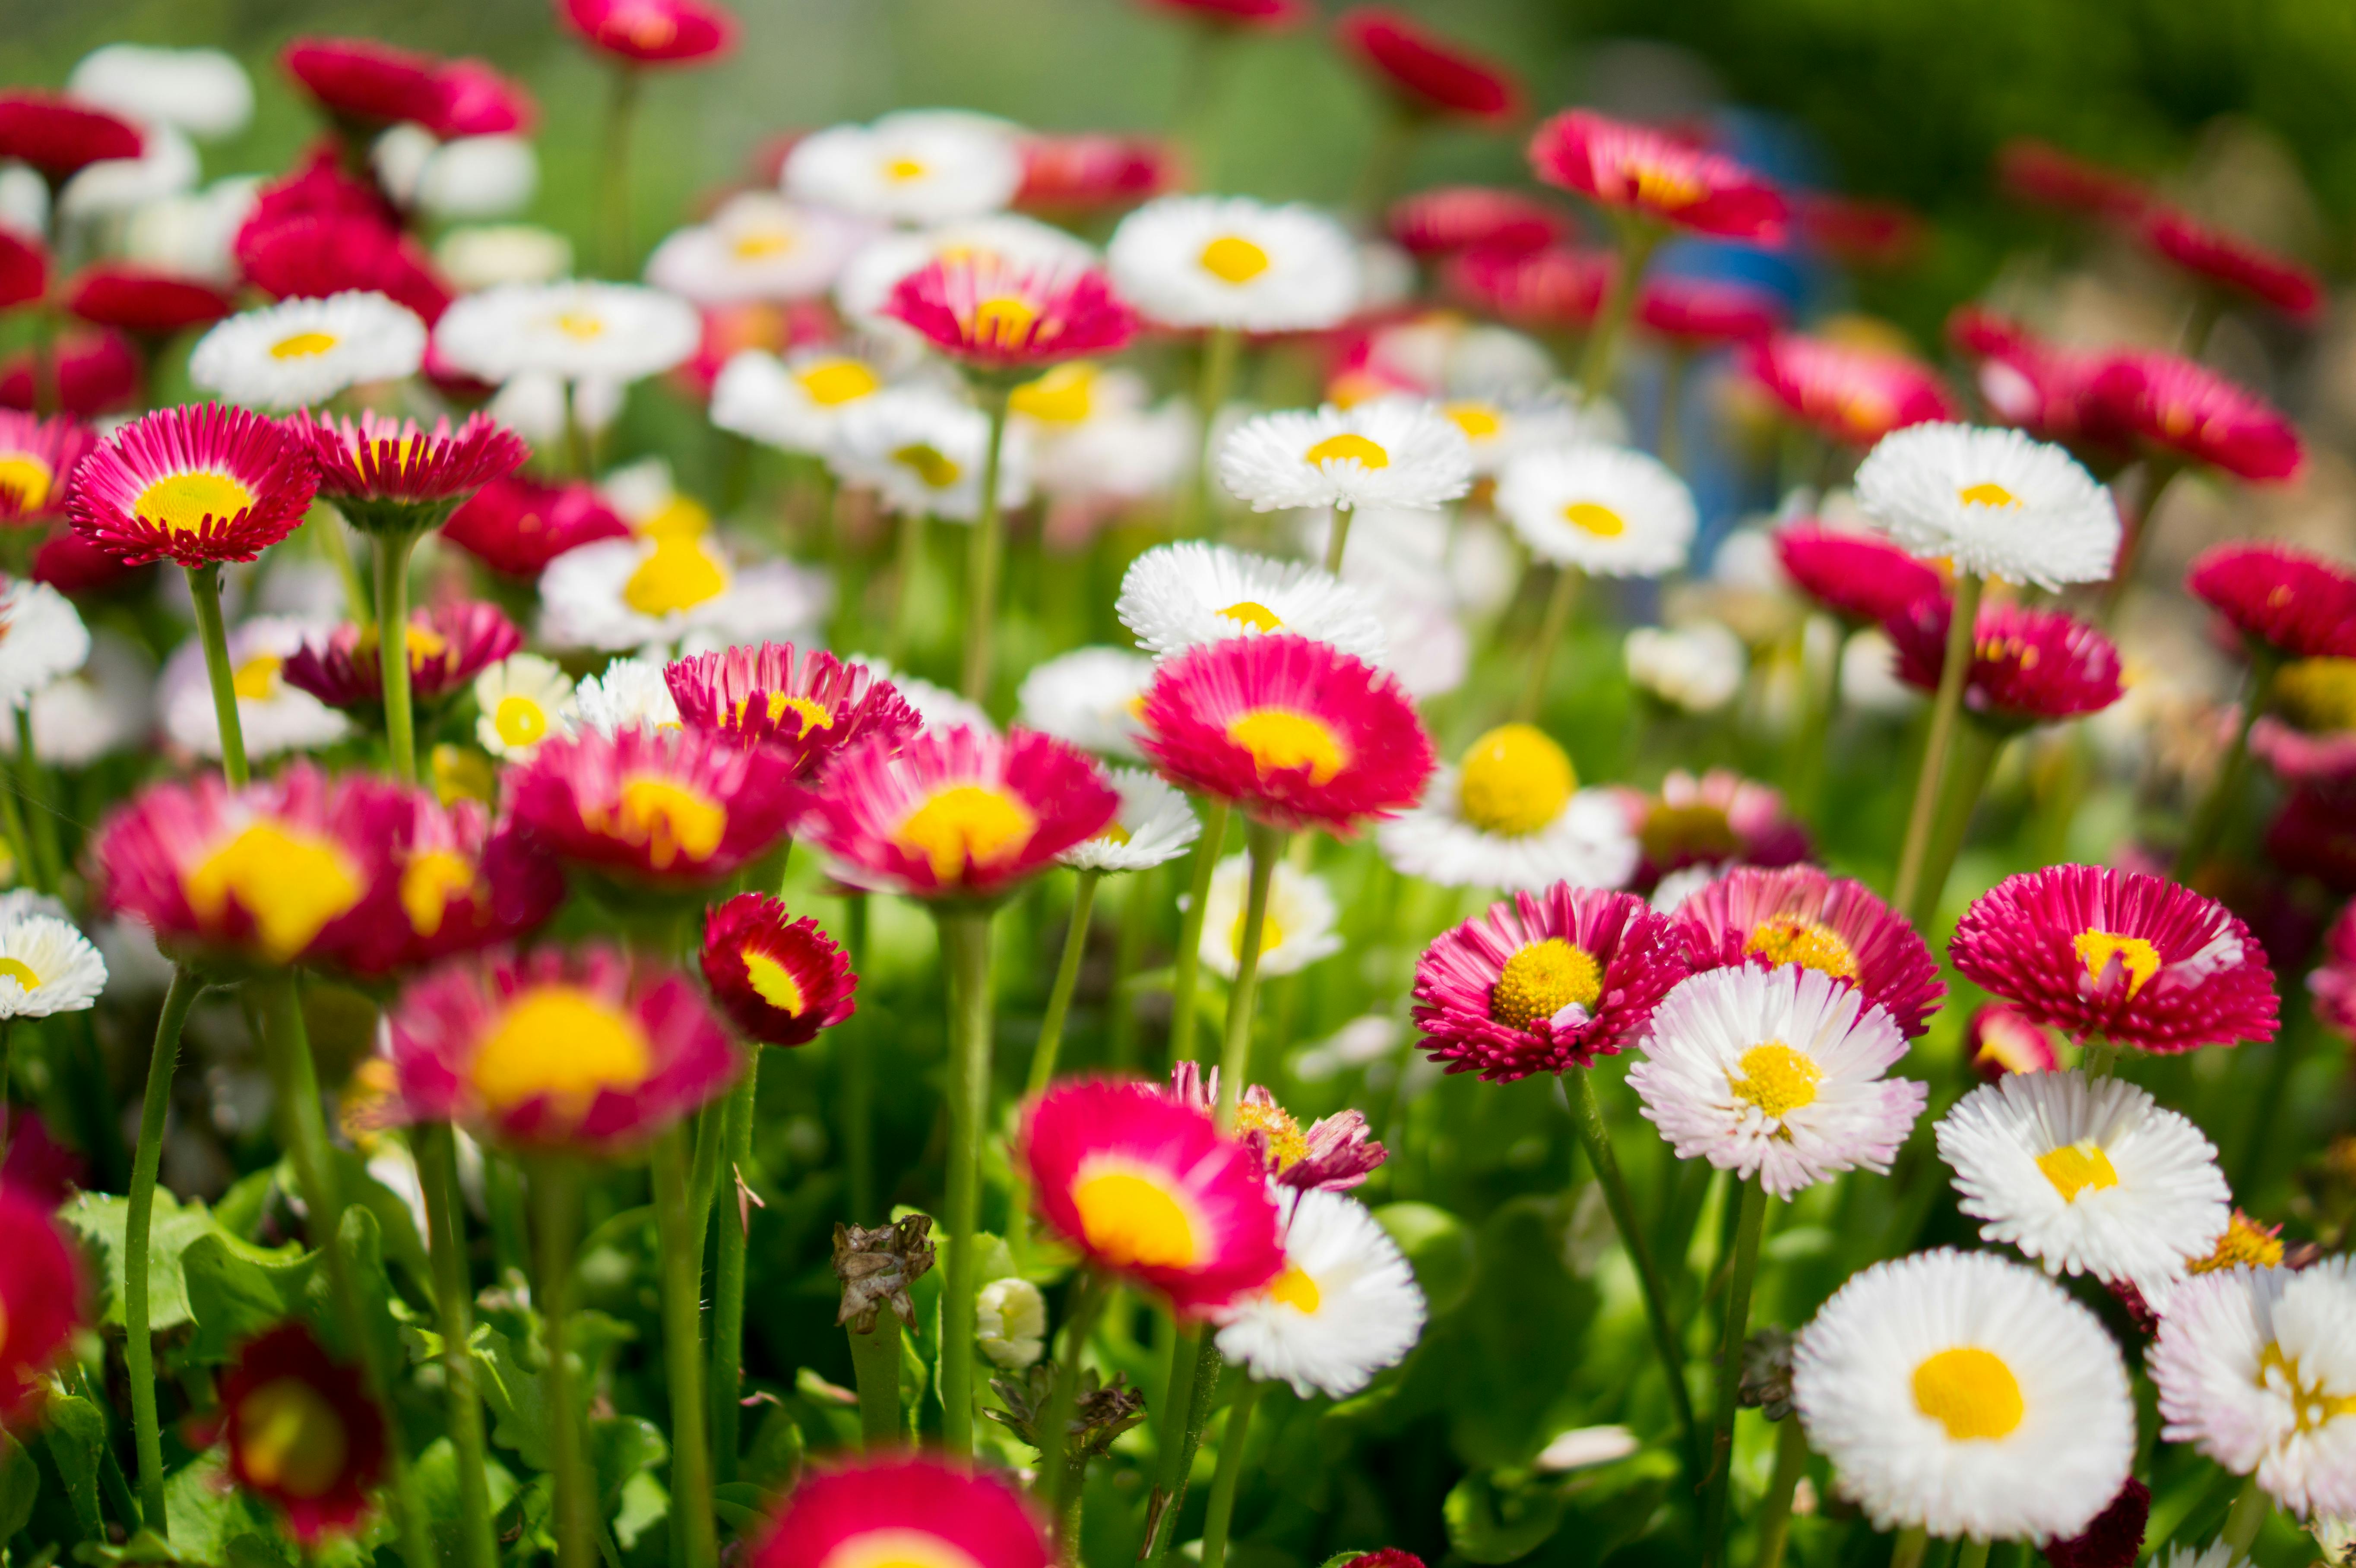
[[2029, 666], [614, 333], [366, 84], [1394, 452], [458, 882], [2189, 411], [1010, 1322], [1178, 596], [758, 246], [105, 706], [1088, 697], [1346, 1306], [925, 451], [872, 273], [996, 316], [37, 458], [668, 809], [389, 476], [480, 105], [1298, 929], [204, 92], [2332, 982], [2314, 834], [1448, 218], [630, 693], [517, 525], [47, 967], [305, 351], [1702, 312], [1090, 171], [321, 232], [1719, 818], [303, 1436], [196, 484], [2042, 174], [96, 373], [2214, 256], [145, 301], [1697, 667], [1241, 16], [1229, 262], [1797, 915], [1511, 816], [41, 638], [1853, 395], [1427, 74], [274, 716], [781, 980], [925, 1509], [24, 270], [521, 700], [1863, 233], [808, 706], [1557, 289], [1862, 578], [1999, 1040], [1606, 511], [795, 404], [1633, 169], [61, 136], [641, 592], [1154, 826], [915, 167], [45, 1290], [484, 256], [2047, 391], [1994, 501], [2114, 1536], [448, 647], [652, 32], [2299, 605]]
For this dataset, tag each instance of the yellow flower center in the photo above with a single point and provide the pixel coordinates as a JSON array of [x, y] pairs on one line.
[[291, 1438], [2318, 694], [1776, 1078], [1700, 831], [773, 982], [832, 382], [677, 574], [1987, 493], [897, 1548], [1287, 1144], [1970, 1391], [2073, 1168], [968, 823], [559, 1043], [1114, 832], [680, 518], [581, 326], [1347, 447], [665, 818], [302, 346], [1296, 1290], [1255, 615], [1064, 395], [760, 244], [27, 478], [1657, 187], [1479, 422], [1788, 939], [1002, 321], [290, 881], [521, 721], [1270, 934], [1232, 259], [900, 171], [186, 501], [2243, 1244], [17, 969], [430, 884], [1541, 980], [1131, 1218], [1595, 519], [2097, 950], [1280, 738], [811, 712], [929, 464], [256, 681], [2315, 1405], [1514, 781], [460, 774]]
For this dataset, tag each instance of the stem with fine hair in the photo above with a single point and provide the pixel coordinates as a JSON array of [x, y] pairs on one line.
[[965, 941], [48, 867], [1067, 977], [856, 1068], [1775, 1508], [204, 592], [1136, 925], [728, 1273], [875, 1369], [2209, 820], [139, 1348], [1221, 1500], [393, 648], [907, 560], [2251, 1507], [1186, 962], [1177, 1463], [682, 1274], [435, 1145], [1266, 846], [1637, 239], [1969, 762], [1955, 669], [614, 183], [1752, 1220], [1558, 617], [984, 553], [1059, 1473], [1221, 349], [556, 1222]]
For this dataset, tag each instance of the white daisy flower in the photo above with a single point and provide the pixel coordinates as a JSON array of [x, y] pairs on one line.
[[663, 588], [1499, 430], [1088, 697], [2091, 1176], [797, 403], [204, 92], [166, 167], [1346, 1306], [485, 255], [2256, 1369], [916, 167], [193, 234], [1153, 826], [46, 966], [1023, 243], [1394, 452], [1176, 596], [474, 177], [1775, 1073], [1229, 261], [1010, 1322], [630, 693], [1431, 651], [758, 246], [924, 452], [1296, 931], [300, 352], [1669, 895], [576, 330], [273, 716], [1511, 816], [936, 705], [1096, 439], [1697, 667], [41, 638], [106, 706], [1996, 502], [521, 700], [1606, 511], [1484, 364], [1966, 1395]]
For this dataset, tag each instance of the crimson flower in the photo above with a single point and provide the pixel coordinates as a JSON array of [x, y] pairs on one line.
[[779, 979], [2232, 262], [59, 136], [1426, 73], [808, 706], [651, 32], [1702, 311], [364, 82], [1852, 395], [2177, 406], [24, 270], [517, 525], [2042, 388], [1556, 289], [1454, 218], [1635, 169], [448, 647], [97, 372], [1092, 171], [145, 302], [2043, 175], [1862, 578], [2029, 666], [1242, 15], [1876, 234], [2299, 605], [478, 100], [996, 314], [390, 476]]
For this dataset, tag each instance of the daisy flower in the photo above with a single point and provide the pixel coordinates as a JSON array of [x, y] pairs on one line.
[[938, 707], [757, 246], [1298, 929], [1544, 982], [106, 706], [519, 702], [1637, 170], [1510, 814], [1965, 1395], [1998, 1040], [867, 282], [1346, 1306], [1696, 668], [1088, 697], [2255, 1370], [1862, 578], [1994, 501], [1719, 818], [629, 693], [2113, 1538], [274, 715], [448, 647], [46, 966], [1179, 596], [303, 1436], [1427, 74], [389, 476], [1699, 313], [996, 315], [59, 137], [2296, 605], [1852, 395], [204, 92], [668, 808], [643, 592], [2042, 175], [2332, 982], [924, 452], [458, 882], [301, 351], [1604, 509], [517, 525], [2212, 255], [1557, 289], [808, 706], [1229, 261], [2130, 957], [2190, 413], [196, 484], [37, 458], [1448, 218], [1148, 1187], [1799, 915], [2029, 666], [1153, 826], [917, 1509], [2025, 382], [652, 32], [613, 332], [42, 639], [364, 84], [797, 403], [45, 1291], [144, 300], [779, 980], [1394, 452], [917, 166], [1089, 172], [2091, 1176]]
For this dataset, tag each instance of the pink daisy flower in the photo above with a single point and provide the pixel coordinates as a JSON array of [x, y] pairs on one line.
[[1427, 75], [2332, 982], [955, 813], [2297, 604], [1559, 288], [302, 1434], [668, 808], [995, 314], [2029, 666], [59, 136], [37, 458], [1702, 312], [1544, 982], [1333, 1154], [780, 979], [45, 1291], [809, 706], [1448, 218], [1862, 578], [2043, 175], [1091, 172], [364, 82], [917, 1509], [1296, 732], [1150, 1188], [1635, 169], [1858, 231], [2131, 958], [2035, 386], [652, 32], [1798, 915], [1719, 818], [145, 301], [1998, 1040], [2176, 406], [516, 525], [196, 484], [2231, 261], [448, 647], [2302, 756], [1851, 395], [390, 476], [458, 882]]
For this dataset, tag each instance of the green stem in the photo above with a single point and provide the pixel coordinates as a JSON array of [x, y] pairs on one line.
[[556, 1222], [1221, 1501], [1379, 177], [7, 1043], [875, 1367], [392, 649], [1667, 434], [1185, 963], [139, 1348], [1963, 620], [1266, 844], [1136, 924], [682, 1274], [1068, 976], [1637, 240], [48, 866], [907, 563], [2209, 820], [2248, 1517], [1973, 1553], [1338, 539], [985, 554], [614, 186], [1775, 1508], [2250, 1163], [965, 941], [20, 842], [325, 526], [1059, 1473], [1177, 1464], [505, 1204], [857, 1067], [1221, 350], [1752, 1220], [1907, 1551], [1973, 758], [728, 1277], [2159, 473], [204, 591], [1805, 772], [1558, 617], [435, 1149]]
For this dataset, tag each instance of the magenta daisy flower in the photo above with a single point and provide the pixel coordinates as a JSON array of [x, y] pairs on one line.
[[448, 647], [1545, 982], [955, 813], [59, 136], [197, 484], [1558, 288], [2332, 982], [2131, 958], [1635, 169], [665, 808], [1719, 818], [2042, 388], [2186, 409], [37, 458], [996, 314], [2299, 605], [1448, 218], [516, 525], [2314, 834], [1998, 1040], [1798, 915], [458, 882], [45, 1293], [809, 706], [1697, 313], [912, 1510], [302, 1434], [2028, 666], [2231, 261], [1296, 732], [1855, 395], [781, 979], [1862, 578], [389, 476]]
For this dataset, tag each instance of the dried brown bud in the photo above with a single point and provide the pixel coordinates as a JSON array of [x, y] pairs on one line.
[[877, 1265], [1102, 1412], [1767, 1372]]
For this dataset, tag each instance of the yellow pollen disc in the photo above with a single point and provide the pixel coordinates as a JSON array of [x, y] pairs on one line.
[[1064, 395], [968, 823], [2096, 950], [900, 171], [1114, 832], [2318, 694], [1346, 448], [423, 643], [26, 477], [1270, 934], [521, 721], [291, 1438], [2313, 1404], [812, 713], [2243, 1244], [1232, 259], [678, 574], [762, 244], [1130, 1219], [302, 346], [1699, 831], [897, 1548], [256, 679], [1776, 1078], [291, 882], [665, 819], [830, 383], [1788, 939], [1287, 1144], [1662, 188], [17, 969], [1987, 493], [773, 982], [1296, 1290], [1255, 615], [581, 326], [1970, 1391], [2073, 1168], [184, 502], [1279, 740], [1541, 980], [562, 1044], [929, 464], [680, 518], [430, 884], [1595, 519], [1479, 422], [1002, 321], [1514, 781]]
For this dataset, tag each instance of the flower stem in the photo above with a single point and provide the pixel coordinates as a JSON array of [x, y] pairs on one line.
[[965, 941], [907, 561], [1221, 350], [139, 1348], [392, 649], [1068, 976], [1637, 240], [2209, 820], [434, 1145], [1752, 1221], [1973, 1552], [1337, 539], [1059, 1473], [556, 1222], [1136, 924], [1267, 847], [1972, 759], [1775, 1511], [614, 181], [1558, 617], [728, 1275], [985, 553], [1185, 965], [682, 1276], [1907, 1551], [875, 1367], [1192, 1387], [2248, 1517], [1963, 618], [855, 1063], [48, 867], [20, 843], [204, 591], [325, 526], [1221, 1500]]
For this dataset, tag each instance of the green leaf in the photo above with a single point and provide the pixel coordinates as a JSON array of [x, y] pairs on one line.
[[258, 1552], [243, 1206], [511, 1392], [233, 1295], [738, 1504], [621, 1446], [395, 1225], [207, 1512], [75, 1431], [1438, 1247], [773, 1463], [644, 1504], [1485, 1526], [20, 1485], [145, 1547], [101, 1220]]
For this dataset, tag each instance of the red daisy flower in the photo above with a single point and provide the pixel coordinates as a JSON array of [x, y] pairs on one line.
[[1252, 15], [38, 460], [517, 525], [44, 1291], [389, 476], [24, 270], [1545, 982], [478, 100], [320, 231], [1633, 168], [1881, 235], [651, 32], [1998, 1040], [1800, 916], [2299, 605], [2228, 259], [73, 566], [365, 83], [318, 187], [2125, 956], [1092, 171], [458, 881], [1719, 818], [38, 1168], [2332, 982], [668, 808], [1862, 578], [93, 372], [2179, 407], [303, 1434], [195, 484], [1852, 395], [955, 813], [2314, 834], [1703, 312], [921, 1510], [808, 706], [1560, 288], [448, 647], [1297, 732], [143, 301], [1333, 1154], [2043, 175], [988, 312], [2029, 666], [59, 136], [2115, 1538], [2043, 389], [780, 979], [1454, 218], [1426, 73]]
